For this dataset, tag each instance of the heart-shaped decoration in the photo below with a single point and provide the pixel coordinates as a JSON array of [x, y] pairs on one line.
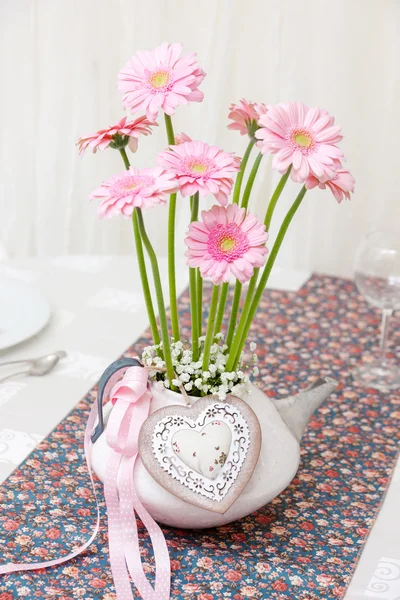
[[205, 453]]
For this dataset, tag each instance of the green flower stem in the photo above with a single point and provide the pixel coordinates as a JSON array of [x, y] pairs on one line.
[[234, 313], [199, 292], [210, 327], [235, 200], [239, 176], [248, 316], [194, 311], [173, 303], [170, 129], [144, 279], [238, 286], [159, 296], [221, 308], [250, 181], [125, 158], [142, 266], [275, 198], [246, 309], [253, 280]]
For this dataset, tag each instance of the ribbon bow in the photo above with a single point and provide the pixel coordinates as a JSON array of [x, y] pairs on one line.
[[131, 398]]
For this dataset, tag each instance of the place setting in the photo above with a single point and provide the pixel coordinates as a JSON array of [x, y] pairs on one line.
[[24, 312]]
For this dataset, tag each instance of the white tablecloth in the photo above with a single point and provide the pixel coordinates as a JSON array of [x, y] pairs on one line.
[[97, 311]]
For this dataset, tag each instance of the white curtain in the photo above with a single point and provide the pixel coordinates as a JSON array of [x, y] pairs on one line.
[[59, 61]]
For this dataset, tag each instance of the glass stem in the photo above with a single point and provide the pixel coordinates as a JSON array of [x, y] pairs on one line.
[[386, 315]]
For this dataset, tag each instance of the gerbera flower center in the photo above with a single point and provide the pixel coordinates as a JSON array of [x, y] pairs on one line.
[[302, 138], [159, 79], [227, 242], [198, 166], [132, 183]]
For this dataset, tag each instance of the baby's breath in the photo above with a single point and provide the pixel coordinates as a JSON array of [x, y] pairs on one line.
[[216, 380]]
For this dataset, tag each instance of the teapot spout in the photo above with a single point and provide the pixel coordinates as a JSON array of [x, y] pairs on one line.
[[296, 410]]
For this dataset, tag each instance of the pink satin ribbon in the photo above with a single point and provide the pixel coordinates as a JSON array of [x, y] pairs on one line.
[[132, 405], [131, 399]]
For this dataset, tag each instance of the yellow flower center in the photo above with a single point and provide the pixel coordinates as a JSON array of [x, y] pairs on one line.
[[199, 167], [303, 139], [131, 185], [227, 244], [159, 79]]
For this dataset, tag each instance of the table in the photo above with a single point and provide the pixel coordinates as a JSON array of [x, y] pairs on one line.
[[97, 310]]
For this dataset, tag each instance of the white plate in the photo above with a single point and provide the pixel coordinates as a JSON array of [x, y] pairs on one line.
[[23, 311]]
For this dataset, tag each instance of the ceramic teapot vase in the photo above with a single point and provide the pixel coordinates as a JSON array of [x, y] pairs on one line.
[[282, 425]]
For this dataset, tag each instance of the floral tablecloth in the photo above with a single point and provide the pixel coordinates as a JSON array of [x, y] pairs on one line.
[[304, 544]]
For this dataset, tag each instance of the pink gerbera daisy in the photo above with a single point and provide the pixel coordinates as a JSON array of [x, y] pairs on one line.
[[134, 188], [181, 138], [341, 185], [117, 136], [226, 241], [300, 136], [201, 168], [244, 116], [160, 79], [261, 109]]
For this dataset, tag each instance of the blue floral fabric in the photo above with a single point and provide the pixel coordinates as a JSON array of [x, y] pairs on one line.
[[304, 544]]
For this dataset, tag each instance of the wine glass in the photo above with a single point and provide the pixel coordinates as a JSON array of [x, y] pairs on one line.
[[377, 276]]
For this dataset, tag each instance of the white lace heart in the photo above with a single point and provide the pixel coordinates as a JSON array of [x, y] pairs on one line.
[[204, 453]]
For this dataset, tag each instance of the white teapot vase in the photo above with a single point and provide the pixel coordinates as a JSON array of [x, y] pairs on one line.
[[282, 425]]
